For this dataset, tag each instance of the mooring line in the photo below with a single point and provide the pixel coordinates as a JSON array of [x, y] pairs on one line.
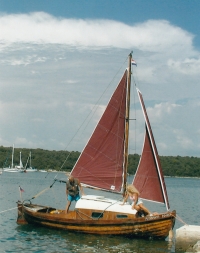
[[179, 218], [8, 209]]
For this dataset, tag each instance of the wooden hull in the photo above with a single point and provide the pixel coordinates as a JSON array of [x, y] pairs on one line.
[[112, 223]]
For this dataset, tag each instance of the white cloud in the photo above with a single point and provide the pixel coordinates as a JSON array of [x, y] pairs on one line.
[[182, 139], [163, 109], [188, 66], [53, 70], [40, 27]]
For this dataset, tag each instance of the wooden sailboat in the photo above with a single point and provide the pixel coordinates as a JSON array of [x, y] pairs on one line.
[[103, 165]]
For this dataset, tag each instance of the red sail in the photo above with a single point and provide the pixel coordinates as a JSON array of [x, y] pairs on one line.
[[100, 165], [149, 178]]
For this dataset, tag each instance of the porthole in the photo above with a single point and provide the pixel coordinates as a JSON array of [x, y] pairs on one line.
[[97, 215]]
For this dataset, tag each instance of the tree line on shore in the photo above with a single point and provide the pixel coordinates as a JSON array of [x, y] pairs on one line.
[[64, 161]]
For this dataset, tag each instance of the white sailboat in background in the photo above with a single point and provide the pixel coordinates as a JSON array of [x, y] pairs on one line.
[[30, 168], [20, 166], [16, 168]]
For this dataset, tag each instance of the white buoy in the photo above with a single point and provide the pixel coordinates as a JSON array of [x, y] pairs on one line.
[[197, 247], [186, 237]]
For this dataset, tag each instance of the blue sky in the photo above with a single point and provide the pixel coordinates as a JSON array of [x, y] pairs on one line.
[[58, 57]]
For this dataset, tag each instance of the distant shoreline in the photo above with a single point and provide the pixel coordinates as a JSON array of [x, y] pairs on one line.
[[183, 177]]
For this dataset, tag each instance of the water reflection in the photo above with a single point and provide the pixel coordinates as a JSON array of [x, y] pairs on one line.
[[37, 239]]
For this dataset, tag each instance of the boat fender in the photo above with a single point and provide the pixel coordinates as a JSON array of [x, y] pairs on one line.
[[171, 234]]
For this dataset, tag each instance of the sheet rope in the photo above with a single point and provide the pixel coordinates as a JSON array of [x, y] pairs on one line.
[[8, 209]]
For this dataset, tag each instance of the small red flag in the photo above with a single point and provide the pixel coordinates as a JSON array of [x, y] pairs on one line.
[[20, 189]]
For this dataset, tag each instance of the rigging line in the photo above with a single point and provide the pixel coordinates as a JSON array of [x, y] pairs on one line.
[[47, 175], [179, 218], [135, 114], [8, 209], [65, 160], [136, 84], [134, 119], [79, 212], [95, 107], [40, 193], [108, 207], [92, 111], [54, 196]]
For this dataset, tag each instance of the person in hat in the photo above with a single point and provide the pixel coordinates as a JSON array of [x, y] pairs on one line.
[[73, 186]]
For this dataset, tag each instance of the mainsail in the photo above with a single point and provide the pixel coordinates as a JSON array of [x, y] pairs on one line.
[[149, 178], [101, 163]]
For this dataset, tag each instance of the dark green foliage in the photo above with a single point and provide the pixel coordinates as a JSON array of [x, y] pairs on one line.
[[64, 160], [133, 161], [181, 166]]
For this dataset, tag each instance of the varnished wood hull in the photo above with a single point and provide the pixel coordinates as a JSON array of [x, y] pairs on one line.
[[157, 226]]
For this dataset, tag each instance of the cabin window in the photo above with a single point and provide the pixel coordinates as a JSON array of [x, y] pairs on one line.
[[97, 215], [122, 216]]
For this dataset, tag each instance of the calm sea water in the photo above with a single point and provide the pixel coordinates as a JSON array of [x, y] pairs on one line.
[[183, 196]]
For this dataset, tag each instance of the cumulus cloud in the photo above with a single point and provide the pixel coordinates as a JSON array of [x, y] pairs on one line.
[[39, 27], [53, 71]]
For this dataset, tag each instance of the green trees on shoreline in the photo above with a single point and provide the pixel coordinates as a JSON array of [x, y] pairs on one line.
[[65, 160]]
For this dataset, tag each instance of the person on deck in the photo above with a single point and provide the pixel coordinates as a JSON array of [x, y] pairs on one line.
[[73, 186], [137, 204]]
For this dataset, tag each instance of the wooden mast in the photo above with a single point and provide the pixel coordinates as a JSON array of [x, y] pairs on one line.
[[127, 125]]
